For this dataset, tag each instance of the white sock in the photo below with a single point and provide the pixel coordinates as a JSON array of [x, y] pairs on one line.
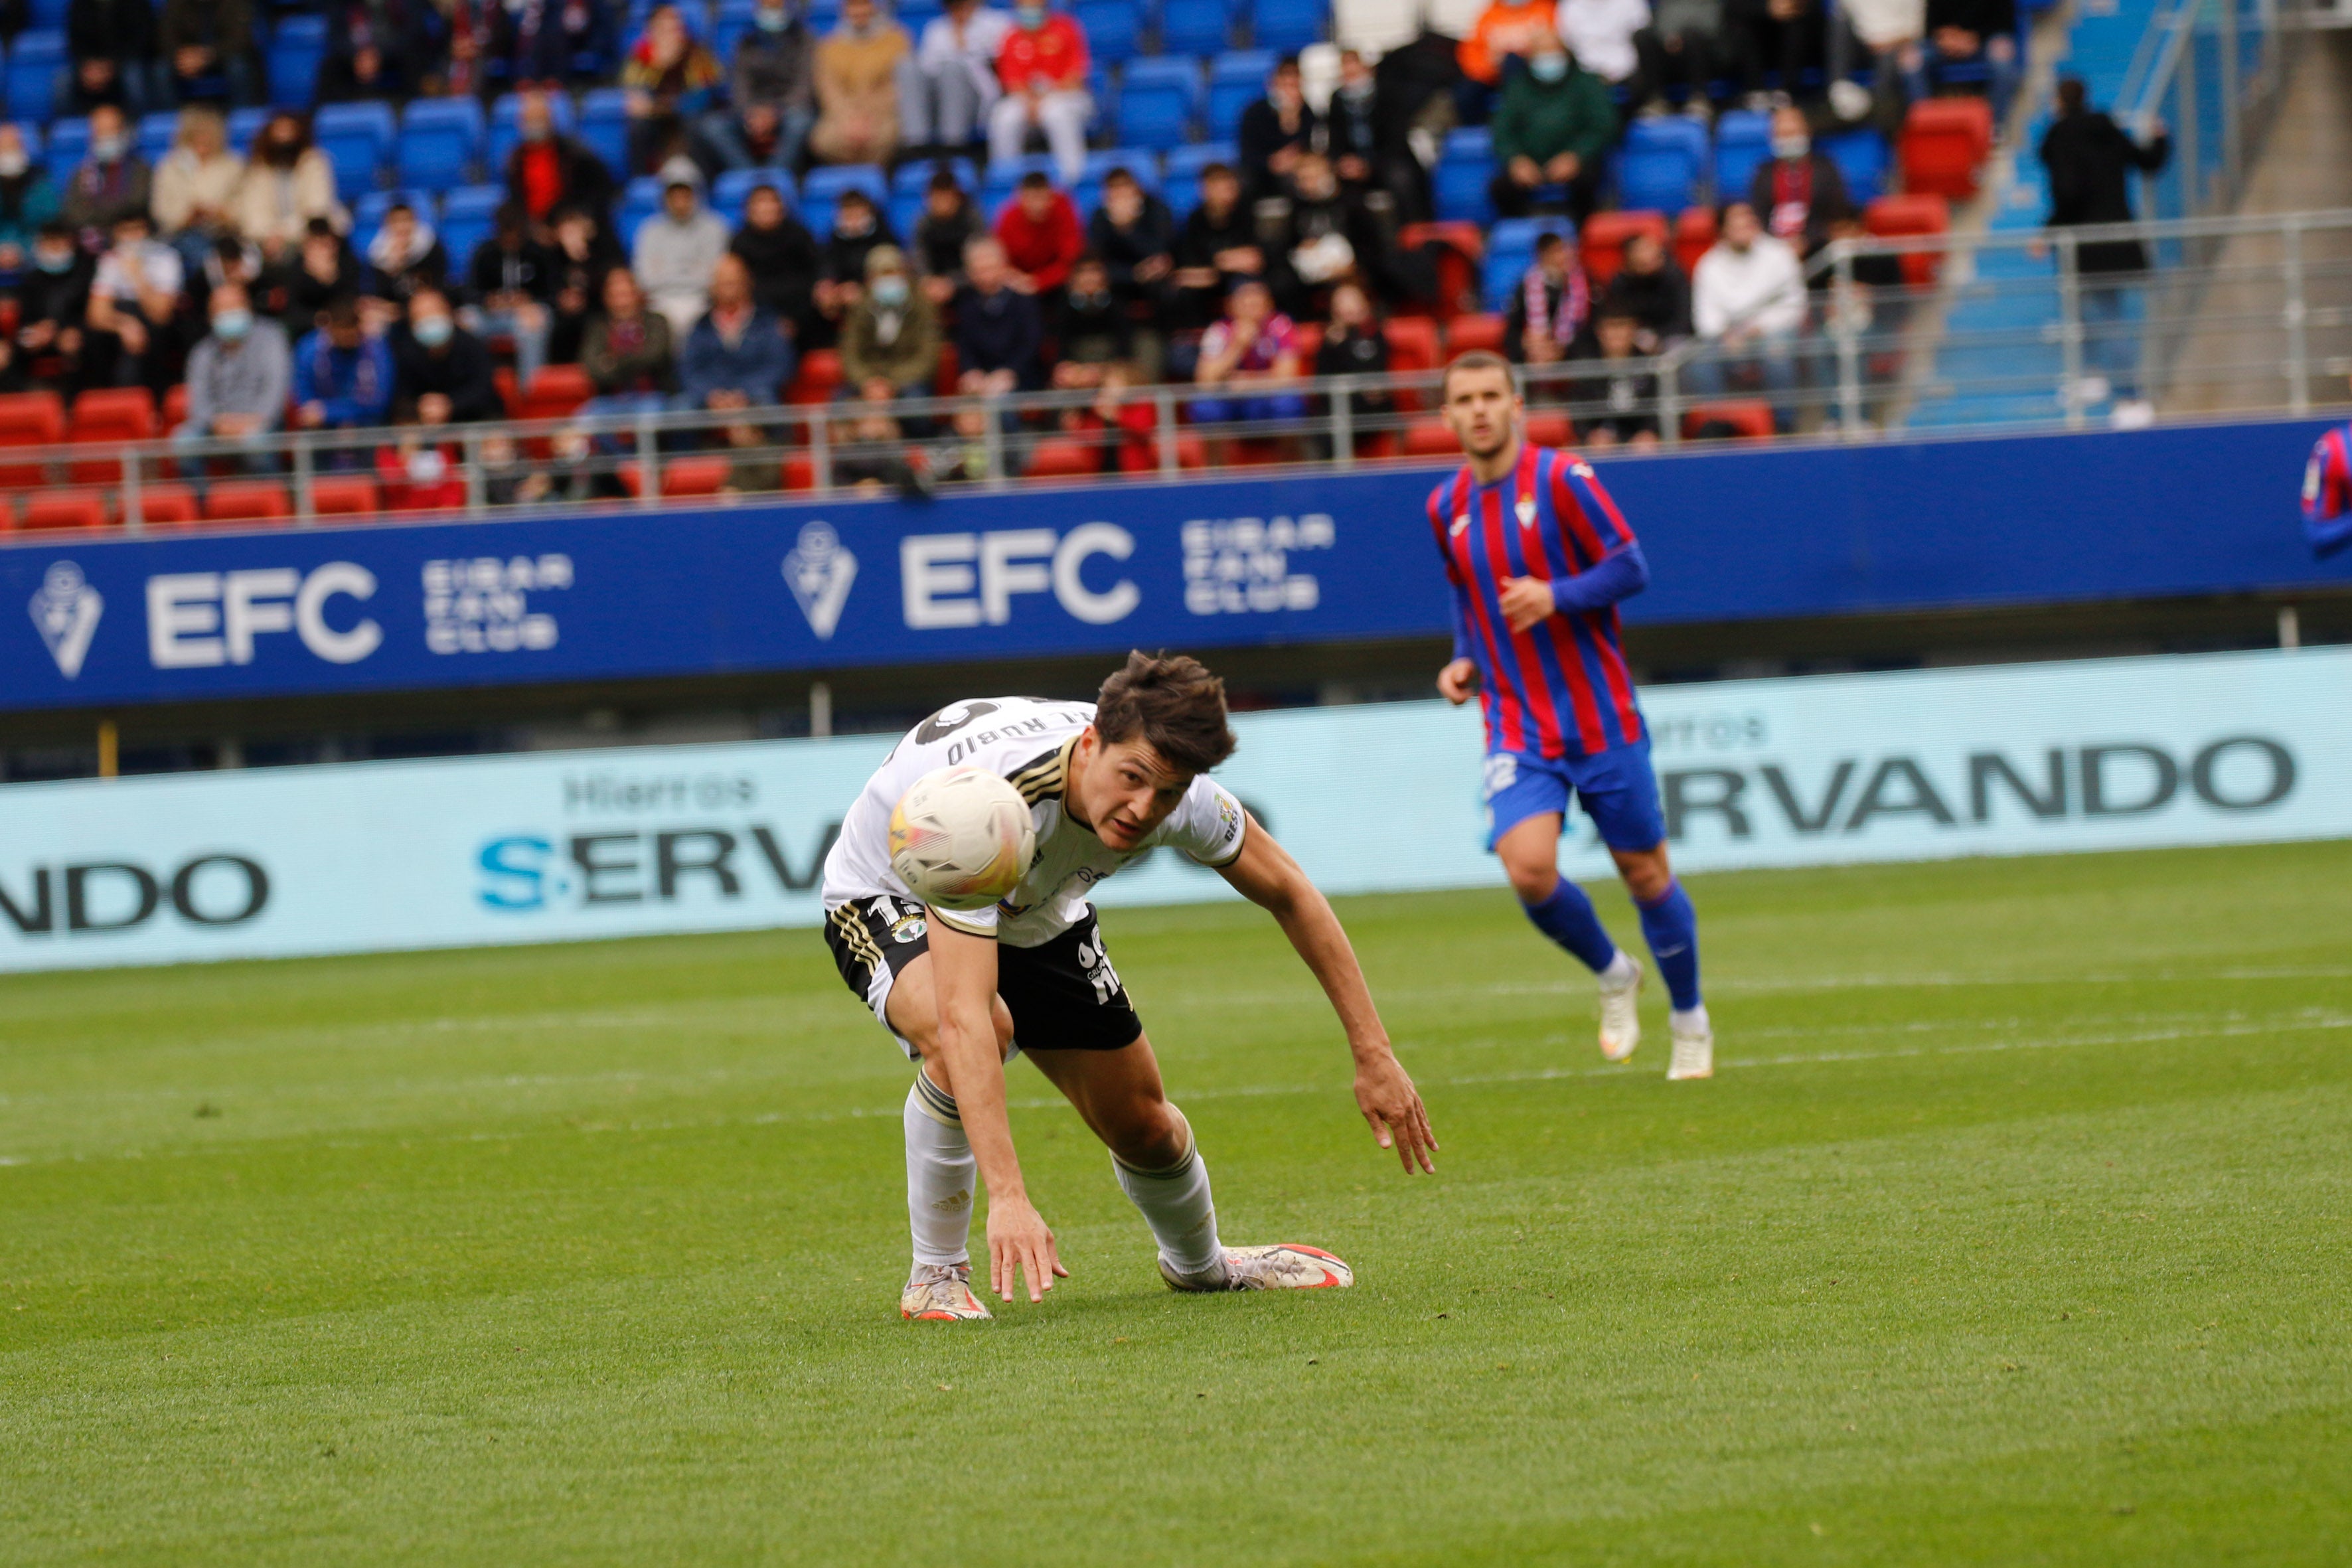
[[1689, 1021], [1175, 1202], [941, 1174], [1620, 973]]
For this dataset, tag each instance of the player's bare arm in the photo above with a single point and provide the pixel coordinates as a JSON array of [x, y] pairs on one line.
[[964, 968], [1264, 873]]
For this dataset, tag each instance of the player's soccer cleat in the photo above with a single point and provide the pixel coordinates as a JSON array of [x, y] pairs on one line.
[[1620, 1014], [940, 1293], [1694, 1054], [1288, 1267]]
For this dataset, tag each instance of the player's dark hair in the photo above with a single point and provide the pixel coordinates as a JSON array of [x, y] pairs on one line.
[[1478, 359], [1173, 704]]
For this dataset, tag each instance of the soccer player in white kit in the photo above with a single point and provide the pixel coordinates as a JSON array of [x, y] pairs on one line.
[[1108, 782]]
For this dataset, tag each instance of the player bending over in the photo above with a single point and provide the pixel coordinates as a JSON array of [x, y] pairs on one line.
[[1538, 557], [1106, 781]]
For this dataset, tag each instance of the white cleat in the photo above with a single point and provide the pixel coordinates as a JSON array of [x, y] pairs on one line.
[[1620, 1014], [1694, 1055], [1288, 1267], [940, 1293]]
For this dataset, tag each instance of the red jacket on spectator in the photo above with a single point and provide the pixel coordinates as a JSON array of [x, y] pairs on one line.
[[1053, 56], [1043, 248]]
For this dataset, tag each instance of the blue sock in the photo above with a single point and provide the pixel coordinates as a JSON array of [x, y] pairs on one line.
[[1568, 919], [1671, 928]]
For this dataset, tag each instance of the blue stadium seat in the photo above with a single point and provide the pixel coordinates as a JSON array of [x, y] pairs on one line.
[[1464, 172], [473, 202], [1658, 163], [906, 210], [1236, 81], [68, 145], [1193, 27], [367, 215], [1284, 26], [1860, 157], [50, 13], [244, 125], [730, 191], [1135, 160], [156, 134], [827, 181], [1743, 139], [733, 20], [1510, 250], [357, 139], [1156, 102], [505, 127], [640, 199], [440, 139], [996, 186], [1193, 157], [1113, 35], [913, 179], [297, 49], [604, 127], [33, 62]]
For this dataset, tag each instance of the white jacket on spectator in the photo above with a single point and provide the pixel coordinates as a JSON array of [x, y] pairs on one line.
[[1883, 23], [185, 183], [1600, 34], [1763, 289], [673, 260]]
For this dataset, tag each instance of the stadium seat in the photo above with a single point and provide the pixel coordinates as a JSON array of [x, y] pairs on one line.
[[1748, 421], [297, 47], [1064, 458], [29, 419], [345, 495], [1743, 142], [1511, 249], [997, 185], [1483, 330], [555, 390], [816, 379], [1193, 27], [156, 134], [1285, 27], [1694, 232], [175, 407], [1891, 216], [505, 127], [163, 506], [1465, 170], [1658, 163], [681, 475], [733, 188], [109, 416], [1412, 346], [469, 215], [1431, 439], [1111, 30], [246, 501], [244, 125], [822, 191], [64, 508], [35, 60], [68, 144], [604, 127], [1861, 156], [357, 138], [1156, 102], [1550, 429], [47, 13], [640, 199], [440, 142], [1236, 81], [1945, 141], [1604, 240]]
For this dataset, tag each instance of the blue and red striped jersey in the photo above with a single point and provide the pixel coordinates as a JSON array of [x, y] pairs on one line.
[[1562, 685], [2327, 492]]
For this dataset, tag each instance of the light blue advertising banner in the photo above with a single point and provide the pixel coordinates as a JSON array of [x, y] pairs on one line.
[[2024, 759]]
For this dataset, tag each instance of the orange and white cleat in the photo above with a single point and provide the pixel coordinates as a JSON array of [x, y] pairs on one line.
[[941, 1293], [1620, 1014], [1288, 1267]]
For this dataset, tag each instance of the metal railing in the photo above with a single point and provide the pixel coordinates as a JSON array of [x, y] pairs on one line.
[[2213, 71], [2026, 332]]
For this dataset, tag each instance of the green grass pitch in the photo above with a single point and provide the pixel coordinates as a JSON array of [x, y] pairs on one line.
[[2013, 1229]]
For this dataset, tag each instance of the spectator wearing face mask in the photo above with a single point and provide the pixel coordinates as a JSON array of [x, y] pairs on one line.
[[678, 245], [50, 301], [111, 181], [134, 302], [549, 171], [948, 85], [441, 371], [1039, 230], [1799, 192], [1554, 122], [857, 87], [1277, 130], [111, 45], [890, 342], [237, 380], [289, 184], [738, 355], [770, 95], [27, 200], [1043, 68], [343, 378], [207, 49], [1352, 128]]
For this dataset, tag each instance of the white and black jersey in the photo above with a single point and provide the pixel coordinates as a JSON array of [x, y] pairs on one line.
[[1029, 743]]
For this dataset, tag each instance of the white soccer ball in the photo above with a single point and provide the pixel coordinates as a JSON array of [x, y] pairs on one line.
[[960, 838]]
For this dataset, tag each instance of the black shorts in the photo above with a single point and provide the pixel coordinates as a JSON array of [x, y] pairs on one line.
[[1064, 995]]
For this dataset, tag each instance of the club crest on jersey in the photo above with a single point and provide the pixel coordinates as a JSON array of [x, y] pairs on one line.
[[1527, 510]]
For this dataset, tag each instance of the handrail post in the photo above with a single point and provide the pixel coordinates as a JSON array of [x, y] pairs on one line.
[[2296, 315], [648, 461], [1845, 306], [1670, 399], [477, 483], [1163, 429], [992, 440], [820, 450], [134, 515], [2069, 329], [306, 504], [1343, 424]]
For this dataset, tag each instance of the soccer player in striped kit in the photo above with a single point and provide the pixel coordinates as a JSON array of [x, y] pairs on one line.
[[2327, 493], [1538, 557]]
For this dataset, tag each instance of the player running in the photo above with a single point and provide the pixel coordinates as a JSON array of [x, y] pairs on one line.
[[1108, 782], [1538, 557], [2327, 493]]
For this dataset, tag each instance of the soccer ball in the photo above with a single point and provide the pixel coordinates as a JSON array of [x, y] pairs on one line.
[[960, 838]]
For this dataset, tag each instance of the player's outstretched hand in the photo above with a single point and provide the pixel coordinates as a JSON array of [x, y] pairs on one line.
[[1458, 681], [1392, 1108], [1526, 601], [1019, 1242]]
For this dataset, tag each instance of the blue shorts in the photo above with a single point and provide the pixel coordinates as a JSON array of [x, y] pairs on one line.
[[1615, 787]]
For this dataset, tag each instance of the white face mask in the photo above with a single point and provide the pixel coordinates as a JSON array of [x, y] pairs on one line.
[[13, 164], [1791, 148]]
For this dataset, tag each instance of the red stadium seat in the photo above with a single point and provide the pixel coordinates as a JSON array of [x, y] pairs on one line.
[[1431, 439], [555, 391], [502, 381], [29, 419], [108, 416], [815, 381], [1753, 421], [944, 383], [1603, 242], [1306, 342], [1945, 143], [1460, 247], [247, 501], [681, 477], [1694, 232], [64, 508], [166, 506], [1550, 429], [1061, 458], [175, 407], [1896, 215], [1484, 331], [1412, 346], [345, 495]]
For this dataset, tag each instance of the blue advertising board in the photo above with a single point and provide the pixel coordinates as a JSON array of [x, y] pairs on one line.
[[626, 593]]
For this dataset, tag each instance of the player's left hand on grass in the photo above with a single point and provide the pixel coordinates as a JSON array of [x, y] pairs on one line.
[[1392, 1108], [1526, 601]]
